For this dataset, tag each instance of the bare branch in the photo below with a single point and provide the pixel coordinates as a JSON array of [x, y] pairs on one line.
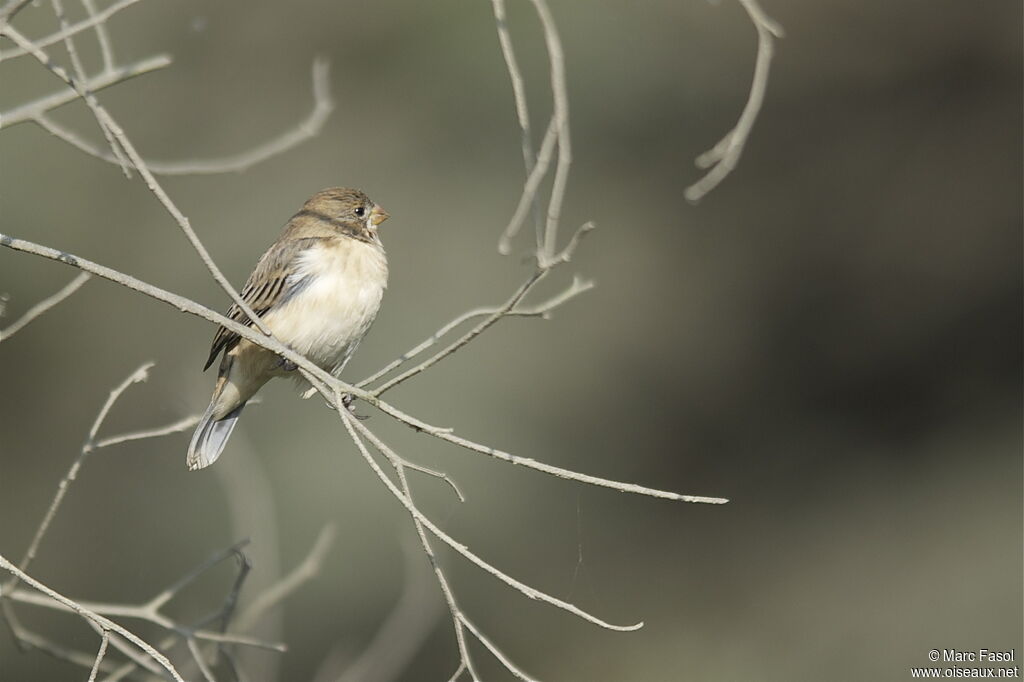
[[90, 99], [197, 656], [96, 19], [523, 114], [465, 338], [352, 425], [80, 658], [399, 636], [44, 305], [560, 97], [304, 572], [311, 126], [495, 651], [99, 656], [106, 47], [95, 619], [12, 8], [543, 310], [139, 375], [32, 110], [323, 380], [724, 156], [148, 611], [108, 121], [175, 427], [446, 434]]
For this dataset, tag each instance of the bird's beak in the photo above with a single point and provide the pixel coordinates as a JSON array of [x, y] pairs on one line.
[[378, 215]]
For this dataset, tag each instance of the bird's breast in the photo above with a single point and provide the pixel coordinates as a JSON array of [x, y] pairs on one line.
[[338, 289]]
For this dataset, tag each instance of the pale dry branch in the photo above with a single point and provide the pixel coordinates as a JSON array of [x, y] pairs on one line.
[[724, 156], [465, 659], [84, 659], [448, 435], [399, 636], [306, 129], [11, 8], [495, 651], [548, 257], [352, 425], [528, 198], [30, 111], [139, 375], [325, 382], [87, 95], [39, 308], [577, 287], [102, 36], [105, 119], [90, 617], [96, 19], [150, 611], [560, 99], [523, 116], [516, 297], [175, 427], [301, 574], [199, 659], [99, 656]]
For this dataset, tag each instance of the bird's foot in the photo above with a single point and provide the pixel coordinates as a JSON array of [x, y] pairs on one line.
[[286, 364], [348, 400]]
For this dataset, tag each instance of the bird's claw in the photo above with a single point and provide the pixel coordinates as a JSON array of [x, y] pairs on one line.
[[348, 400], [286, 364]]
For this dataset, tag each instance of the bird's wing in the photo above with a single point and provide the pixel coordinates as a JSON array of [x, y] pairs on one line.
[[270, 284]]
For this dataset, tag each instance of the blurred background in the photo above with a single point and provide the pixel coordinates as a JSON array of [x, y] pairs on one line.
[[831, 339]]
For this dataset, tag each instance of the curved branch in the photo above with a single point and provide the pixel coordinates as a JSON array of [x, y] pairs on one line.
[[724, 156]]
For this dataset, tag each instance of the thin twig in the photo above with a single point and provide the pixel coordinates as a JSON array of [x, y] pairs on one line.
[[44, 305], [543, 310], [175, 427], [59, 652], [32, 110], [304, 572], [306, 129], [352, 425], [102, 36], [99, 656], [465, 659], [87, 95], [325, 382], [139, 375], [495, 651], [400, 635], [724, 156], [90, 617], [105, 119], [560, 98], [12, 8], [197, 656], [95, 19], [516, 297], [528, 198]]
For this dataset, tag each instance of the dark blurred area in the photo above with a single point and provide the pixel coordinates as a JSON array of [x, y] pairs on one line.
[[831, 339]]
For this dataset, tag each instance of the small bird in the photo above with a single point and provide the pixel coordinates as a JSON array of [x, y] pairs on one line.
[[317, 288]]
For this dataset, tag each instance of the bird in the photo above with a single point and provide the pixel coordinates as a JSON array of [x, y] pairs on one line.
[[318, 289]]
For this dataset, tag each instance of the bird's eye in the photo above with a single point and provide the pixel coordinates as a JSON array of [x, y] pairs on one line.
[[360, 211]]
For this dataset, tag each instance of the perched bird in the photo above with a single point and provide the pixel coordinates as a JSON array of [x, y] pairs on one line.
[[317, 288]]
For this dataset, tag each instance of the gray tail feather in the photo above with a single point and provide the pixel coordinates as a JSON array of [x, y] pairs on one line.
[[210, 438]]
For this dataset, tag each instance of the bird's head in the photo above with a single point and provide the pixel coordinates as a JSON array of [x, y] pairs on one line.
[[349, 210]]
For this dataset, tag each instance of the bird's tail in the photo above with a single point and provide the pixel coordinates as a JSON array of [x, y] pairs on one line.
[[211, 436]]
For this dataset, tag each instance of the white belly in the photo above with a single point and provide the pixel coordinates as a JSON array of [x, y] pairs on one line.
[[328, 317]]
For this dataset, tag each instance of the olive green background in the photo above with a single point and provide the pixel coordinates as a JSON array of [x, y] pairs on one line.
[[831, 339]]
